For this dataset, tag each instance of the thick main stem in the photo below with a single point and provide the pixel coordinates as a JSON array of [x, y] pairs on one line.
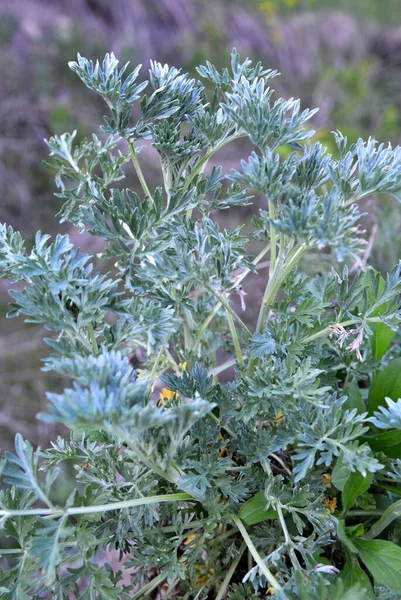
[[83, 510], [283, 267], [272, 238]]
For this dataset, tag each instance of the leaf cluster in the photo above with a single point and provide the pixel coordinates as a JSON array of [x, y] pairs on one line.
[[294, 453]]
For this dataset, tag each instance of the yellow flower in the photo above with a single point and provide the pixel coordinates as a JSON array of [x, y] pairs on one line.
[[205, 578], [279, 418], [182, 366], [223, 451], [168, 395], [331, 504], [327, 479], [189, 540], [271, 591]]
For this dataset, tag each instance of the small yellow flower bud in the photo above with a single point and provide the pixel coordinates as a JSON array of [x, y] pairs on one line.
[[331, 504], [189, 540]]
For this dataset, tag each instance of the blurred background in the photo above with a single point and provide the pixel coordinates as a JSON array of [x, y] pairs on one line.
[[341, 55]]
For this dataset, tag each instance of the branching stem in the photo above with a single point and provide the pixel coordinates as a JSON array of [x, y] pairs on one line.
[[217, 307], [203, 162], [287, 537], [139, 172], [85, 510], [235, 339], [283, 266], [93, 338], [256, 556], [229, 311], [326, 330]]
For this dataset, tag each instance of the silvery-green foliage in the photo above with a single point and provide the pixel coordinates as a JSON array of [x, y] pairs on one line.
[[182, 479], [388, 418]]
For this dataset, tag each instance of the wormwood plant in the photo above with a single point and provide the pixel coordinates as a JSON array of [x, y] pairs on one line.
[[284, 481]]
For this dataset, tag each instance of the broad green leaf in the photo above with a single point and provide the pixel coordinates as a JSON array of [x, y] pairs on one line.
[[383, 559], [254, 511], [355, 485], [352, 574], [91, 434], [388, 442], [354, 399], [347, 535], [382, 335], [340, 475], [381, 339], [390, 514], [386, 384], [394, 490]]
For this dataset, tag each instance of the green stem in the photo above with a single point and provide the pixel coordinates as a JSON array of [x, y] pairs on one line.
[[283, 268], [149, 587], [363, 513], [223, 367], [139, 172], [224, 536], [281, 462], [188, 339], [152, 466], [235, 339], [190, 525], [229, 310], [170, 589], [230, 573], [93, 338], [288, 540], [217, 307], [326, 330], [391, 513], [156, 365], [82, 338], [272, 238], [255, 262], [84, 510], [206, 324], [203, 162], [229, 431], [256, 556], [62, 545]]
